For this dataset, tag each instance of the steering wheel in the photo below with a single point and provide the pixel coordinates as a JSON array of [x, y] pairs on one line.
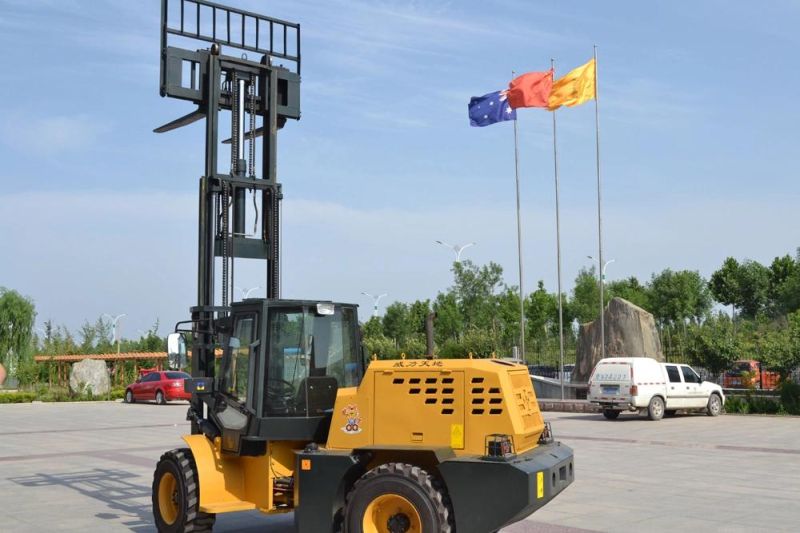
[[280, 395]]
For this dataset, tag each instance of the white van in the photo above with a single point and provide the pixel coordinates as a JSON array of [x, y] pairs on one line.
[[637, 384]]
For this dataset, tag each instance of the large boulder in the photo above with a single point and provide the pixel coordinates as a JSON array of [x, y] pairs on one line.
[[90, 374], [630, 332]]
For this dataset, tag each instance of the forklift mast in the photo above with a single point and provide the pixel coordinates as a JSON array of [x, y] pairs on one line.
[[204, 60]]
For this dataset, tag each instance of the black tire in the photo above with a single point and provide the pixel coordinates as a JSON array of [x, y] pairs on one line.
[[185, 516], [714, 407], [610, 414], [160, 398], [669, 413], [129, 396], [655, 411], [410, 483]]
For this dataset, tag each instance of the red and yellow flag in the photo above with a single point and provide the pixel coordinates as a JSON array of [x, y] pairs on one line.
[[575, 88], [530, 90]]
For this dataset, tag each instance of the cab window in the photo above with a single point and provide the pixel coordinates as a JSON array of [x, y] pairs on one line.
[[310, 356], [689, 375], [674, 374], [237, 364]]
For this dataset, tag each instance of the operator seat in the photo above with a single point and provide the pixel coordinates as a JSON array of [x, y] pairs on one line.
[[320, 392]]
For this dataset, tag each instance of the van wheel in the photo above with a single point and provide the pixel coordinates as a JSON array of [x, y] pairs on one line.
[[610, 414], [656, 408], [714, 407]]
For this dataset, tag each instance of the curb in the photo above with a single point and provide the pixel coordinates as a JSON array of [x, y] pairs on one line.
[[568, 406]]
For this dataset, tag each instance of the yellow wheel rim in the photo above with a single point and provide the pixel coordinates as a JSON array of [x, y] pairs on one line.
[[168, 498], [391, 513]]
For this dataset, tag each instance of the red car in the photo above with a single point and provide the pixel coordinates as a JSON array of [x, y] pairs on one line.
[[159, 386]]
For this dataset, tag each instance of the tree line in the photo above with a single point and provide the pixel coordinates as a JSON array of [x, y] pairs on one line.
[[479, 315]]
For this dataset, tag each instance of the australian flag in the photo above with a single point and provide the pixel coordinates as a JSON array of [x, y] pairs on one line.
[[490, 108]]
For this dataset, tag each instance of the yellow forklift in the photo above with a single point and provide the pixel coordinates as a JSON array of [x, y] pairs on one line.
[[287, 412]]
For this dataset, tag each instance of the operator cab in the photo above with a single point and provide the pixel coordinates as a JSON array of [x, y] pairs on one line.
[[299, 354], [281, 365]]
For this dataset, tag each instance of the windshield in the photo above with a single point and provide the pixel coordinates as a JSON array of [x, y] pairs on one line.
[[310, 356]]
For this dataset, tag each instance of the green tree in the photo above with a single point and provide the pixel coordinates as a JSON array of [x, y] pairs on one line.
[[541, 313], [629, 289], [508, 317], [753, 288], [475, 289], [585, 302], [784, 285], [396, 322], [676, 297], [372, 328], [449, 322], [714, 344], [724, 283], [17, 315], [417, 314]]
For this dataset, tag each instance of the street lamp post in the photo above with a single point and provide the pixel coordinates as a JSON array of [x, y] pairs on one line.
[[375, 300], [602, 303], [457, 248], [246, 292], [114, 320]]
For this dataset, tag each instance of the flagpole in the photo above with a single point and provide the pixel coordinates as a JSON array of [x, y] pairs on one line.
[[519, 245], [558, 245], [599, 209]]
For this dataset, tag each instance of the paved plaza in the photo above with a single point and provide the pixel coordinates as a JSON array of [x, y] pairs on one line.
[[89, 466]]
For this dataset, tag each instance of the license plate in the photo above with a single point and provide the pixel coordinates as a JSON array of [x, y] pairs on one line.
[[611, 390]]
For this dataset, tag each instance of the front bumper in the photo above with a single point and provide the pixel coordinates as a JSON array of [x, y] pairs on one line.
[[490, 494]]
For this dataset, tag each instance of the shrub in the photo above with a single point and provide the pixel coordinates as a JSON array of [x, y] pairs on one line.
[[17, 397], [790, 397], [736, 404]]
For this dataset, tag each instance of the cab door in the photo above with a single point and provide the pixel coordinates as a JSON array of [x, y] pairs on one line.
[[236, 405], [696, 398], [676, 393]]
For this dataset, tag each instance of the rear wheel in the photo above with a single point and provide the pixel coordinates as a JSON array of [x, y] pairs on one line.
[[160, 399], [610, 414], [397, 498], [714, 407], [656, 408], [129, 396], [176, 495]]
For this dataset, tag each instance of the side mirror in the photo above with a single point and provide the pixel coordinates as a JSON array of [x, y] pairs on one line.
[[176, 350]]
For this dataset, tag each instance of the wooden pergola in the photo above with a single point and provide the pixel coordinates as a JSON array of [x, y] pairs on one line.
[[63, 362]]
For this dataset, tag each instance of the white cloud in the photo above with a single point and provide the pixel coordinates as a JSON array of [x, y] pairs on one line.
[[50, 135]]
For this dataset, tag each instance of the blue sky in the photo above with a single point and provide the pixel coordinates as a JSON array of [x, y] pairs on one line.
[[698, 132]]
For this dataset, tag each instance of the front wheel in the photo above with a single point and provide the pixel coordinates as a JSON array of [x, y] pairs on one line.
[[656, 408], [610, 414], [397, 498], [160, 399], [714, 407], [129, 396], [176, 495]]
